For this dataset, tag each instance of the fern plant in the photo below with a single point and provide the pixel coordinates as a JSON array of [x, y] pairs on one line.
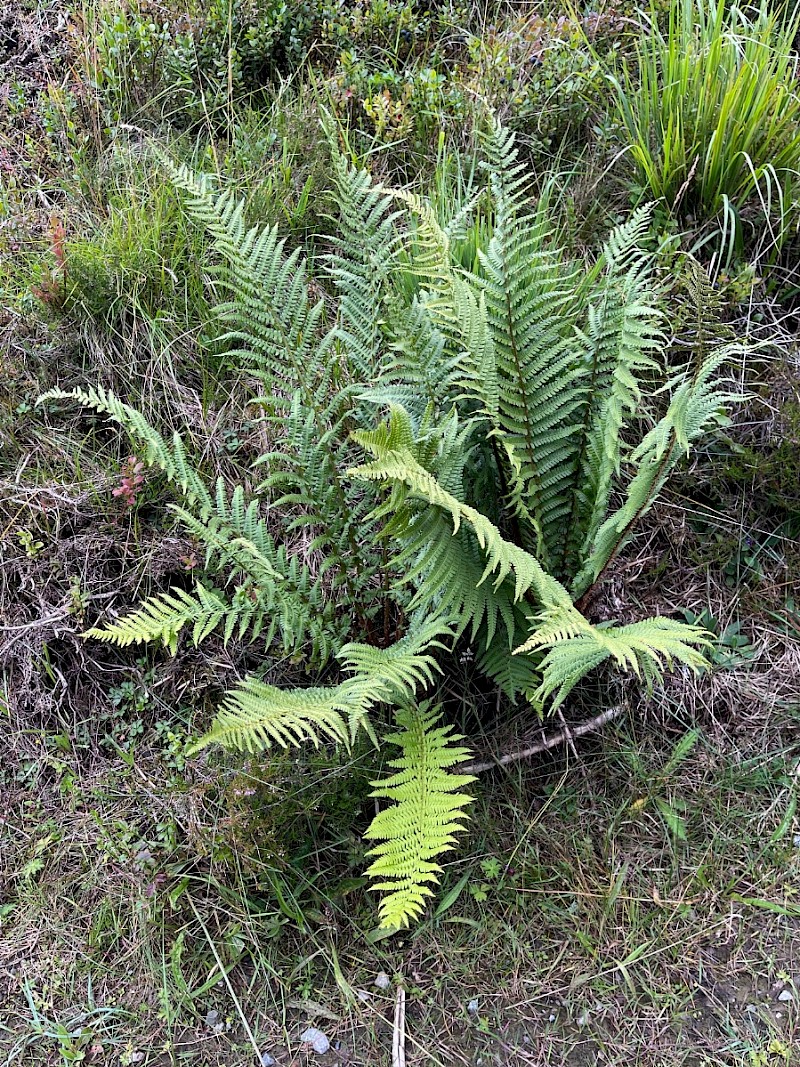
[[456, 449]]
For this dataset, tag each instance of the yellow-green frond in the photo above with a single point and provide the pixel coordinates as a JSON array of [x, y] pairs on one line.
[[425, 817], [163, 617]]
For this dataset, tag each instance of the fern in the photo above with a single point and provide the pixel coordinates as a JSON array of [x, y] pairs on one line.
[[509, 473], [170, 457], [426, 815], [578, 645], [163, 617], [278, 595], [698, 405]]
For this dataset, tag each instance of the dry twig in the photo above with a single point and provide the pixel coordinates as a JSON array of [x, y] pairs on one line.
[[567, 733]]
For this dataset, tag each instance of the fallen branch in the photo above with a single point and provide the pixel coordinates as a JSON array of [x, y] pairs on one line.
[[566, 734]]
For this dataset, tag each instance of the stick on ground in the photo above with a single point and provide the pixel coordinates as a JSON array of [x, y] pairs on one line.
[[567, 733]]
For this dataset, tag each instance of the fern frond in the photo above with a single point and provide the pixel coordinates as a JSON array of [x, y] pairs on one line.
[[163, 617], [279, 333], [426, 815], [504, 559], [420, 370], [270, 318], [622, 335], [622, 249], [280, 598], [644, 648], [365, 245], [698, 404], [530, 306], [255, 715], [171, 458]]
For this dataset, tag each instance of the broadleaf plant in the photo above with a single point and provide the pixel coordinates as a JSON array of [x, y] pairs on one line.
[[456, 447]]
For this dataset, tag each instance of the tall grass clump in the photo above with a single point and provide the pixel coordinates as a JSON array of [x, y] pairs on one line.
[[712, 113]]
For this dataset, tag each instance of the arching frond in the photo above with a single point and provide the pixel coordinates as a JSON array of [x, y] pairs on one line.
[[645, 648], [698, 404], [161, 618], [170, 457], [255, 715]]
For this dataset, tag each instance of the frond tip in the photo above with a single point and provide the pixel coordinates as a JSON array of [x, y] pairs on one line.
[[163, 617], [425, 818]]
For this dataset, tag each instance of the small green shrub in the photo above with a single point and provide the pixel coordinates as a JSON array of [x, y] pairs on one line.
[[481, 511], [711, 111], [125, 57]]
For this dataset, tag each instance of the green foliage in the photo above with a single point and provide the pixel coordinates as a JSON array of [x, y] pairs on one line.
[[711, 113], [135, 266], [426, 814], [255, 715], [498, 491], [125, 64]]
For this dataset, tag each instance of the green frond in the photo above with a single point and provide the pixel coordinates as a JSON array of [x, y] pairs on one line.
[[365, 247], [426, 815], [623, 246], [279, 596], [170, 457], [163, 617], [698, 404], [419, 370], [531, 306], [644, 648], [255, 715], [504, 559], [516, 676], [431, 255], [621, 336]]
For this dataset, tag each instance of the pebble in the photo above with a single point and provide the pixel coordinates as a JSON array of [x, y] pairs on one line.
[[786, 997], [472, 1007], [363, 995], [382, 980], [796, 840], [267, 1060], [318, 1041], [583, 1018]]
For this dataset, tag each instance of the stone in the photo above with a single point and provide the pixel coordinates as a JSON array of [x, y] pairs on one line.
[[318, 1041], [382, 980]]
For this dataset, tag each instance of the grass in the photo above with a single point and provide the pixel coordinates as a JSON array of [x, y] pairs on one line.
[[581, 905], [631, 901], [711, 110]]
